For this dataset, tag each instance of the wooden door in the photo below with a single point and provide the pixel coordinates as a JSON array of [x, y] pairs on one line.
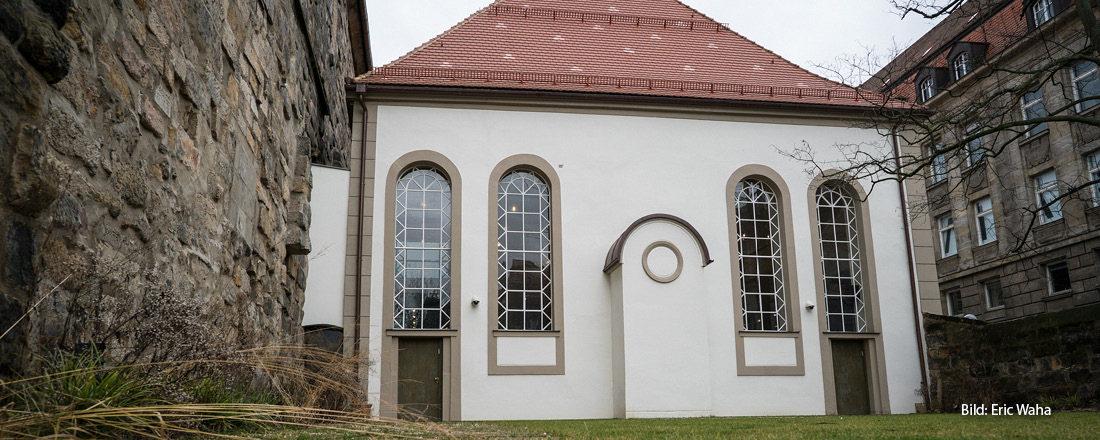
[[850, 376], [420, 379]]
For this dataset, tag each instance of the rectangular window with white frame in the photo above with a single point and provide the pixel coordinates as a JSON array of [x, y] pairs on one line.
[[1046, 195], [1058, 278], [948, 247], [1094, 176], [994, 297], [938, 166], [1086, 84], [983, 215], [1042, 11], [954, 303], [961, 65], [974, 151], [1032, 105]]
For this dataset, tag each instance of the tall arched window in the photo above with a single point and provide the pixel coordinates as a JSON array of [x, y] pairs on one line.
[[763, 303], [524, 276], [422, 269], [842, 268]]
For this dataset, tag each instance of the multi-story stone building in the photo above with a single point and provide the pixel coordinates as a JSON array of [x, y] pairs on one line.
[[1009, 156]]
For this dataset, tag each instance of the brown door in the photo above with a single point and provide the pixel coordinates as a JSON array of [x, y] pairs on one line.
[[850, 376], [420, 379]]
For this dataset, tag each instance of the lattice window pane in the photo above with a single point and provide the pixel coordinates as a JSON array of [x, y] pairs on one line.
[[840, 260], [422, 270], [524, 281], [763, 300]]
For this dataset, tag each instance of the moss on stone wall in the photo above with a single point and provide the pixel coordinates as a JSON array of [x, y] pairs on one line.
[[1021, 361], [162, 146]]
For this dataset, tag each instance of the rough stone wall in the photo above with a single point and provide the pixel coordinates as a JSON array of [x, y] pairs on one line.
[[1021, 361], [155, 158]]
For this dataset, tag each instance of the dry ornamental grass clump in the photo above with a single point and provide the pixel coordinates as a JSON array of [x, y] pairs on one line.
[[162, 374]]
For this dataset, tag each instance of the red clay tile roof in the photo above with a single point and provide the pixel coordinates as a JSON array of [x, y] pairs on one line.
[[999, 23], [636, 47]]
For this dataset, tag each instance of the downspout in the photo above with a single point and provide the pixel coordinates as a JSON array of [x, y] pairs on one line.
[[359, 228], [912, 271]]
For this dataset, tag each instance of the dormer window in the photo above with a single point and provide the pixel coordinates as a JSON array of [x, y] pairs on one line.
[[961, 65], [965, 56], [1042, 11], [930, 81], [927, 89]]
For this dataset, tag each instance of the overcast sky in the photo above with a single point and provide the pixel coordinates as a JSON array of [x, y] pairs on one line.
[[806, 32]]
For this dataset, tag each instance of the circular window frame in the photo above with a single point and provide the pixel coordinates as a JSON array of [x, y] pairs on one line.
[[652, 274]]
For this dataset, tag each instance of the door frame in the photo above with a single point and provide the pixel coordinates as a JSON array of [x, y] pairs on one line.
[[876, 370], [389, 368]]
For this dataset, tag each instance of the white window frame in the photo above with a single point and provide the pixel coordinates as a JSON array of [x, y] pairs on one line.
[[949, 243], [961, 65], [984, 221], [1042, 11], [927, 89], [1046, 191], [951, 309], [938, 164], [1079, 78], [1034, 108], [1050, 278], [974, 151], [989, 298], [1093, 161]]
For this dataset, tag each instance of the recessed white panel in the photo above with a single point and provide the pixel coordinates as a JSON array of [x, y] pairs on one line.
[[770, 352], [526, 352]]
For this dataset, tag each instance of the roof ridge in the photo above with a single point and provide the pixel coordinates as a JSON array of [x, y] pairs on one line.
[[754, 43], [841, 92], [441, 35], [556, 13]]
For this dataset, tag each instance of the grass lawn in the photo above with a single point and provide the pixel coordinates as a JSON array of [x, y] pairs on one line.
[[1080, 425]]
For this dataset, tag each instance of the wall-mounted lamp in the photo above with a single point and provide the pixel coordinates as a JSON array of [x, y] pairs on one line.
[[475, 300], [810, 305]]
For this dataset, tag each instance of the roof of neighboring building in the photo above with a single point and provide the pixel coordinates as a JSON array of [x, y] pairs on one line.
[[998, 23], [631, 47]]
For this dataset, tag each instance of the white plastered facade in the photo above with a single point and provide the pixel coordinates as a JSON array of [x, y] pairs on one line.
[[635, 347]]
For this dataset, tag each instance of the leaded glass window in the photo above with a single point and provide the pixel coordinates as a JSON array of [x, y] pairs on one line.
[[840, 260], [763, 306], [524, 281], [422, 270]]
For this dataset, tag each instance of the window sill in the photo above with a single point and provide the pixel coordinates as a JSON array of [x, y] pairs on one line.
[[528, 333], [948, 257], [756, 333], [1049, 224], [994, 309], [1058, 295], [421, 332], [936, 183], [856, 334], [1033, 138], [975, 167]]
